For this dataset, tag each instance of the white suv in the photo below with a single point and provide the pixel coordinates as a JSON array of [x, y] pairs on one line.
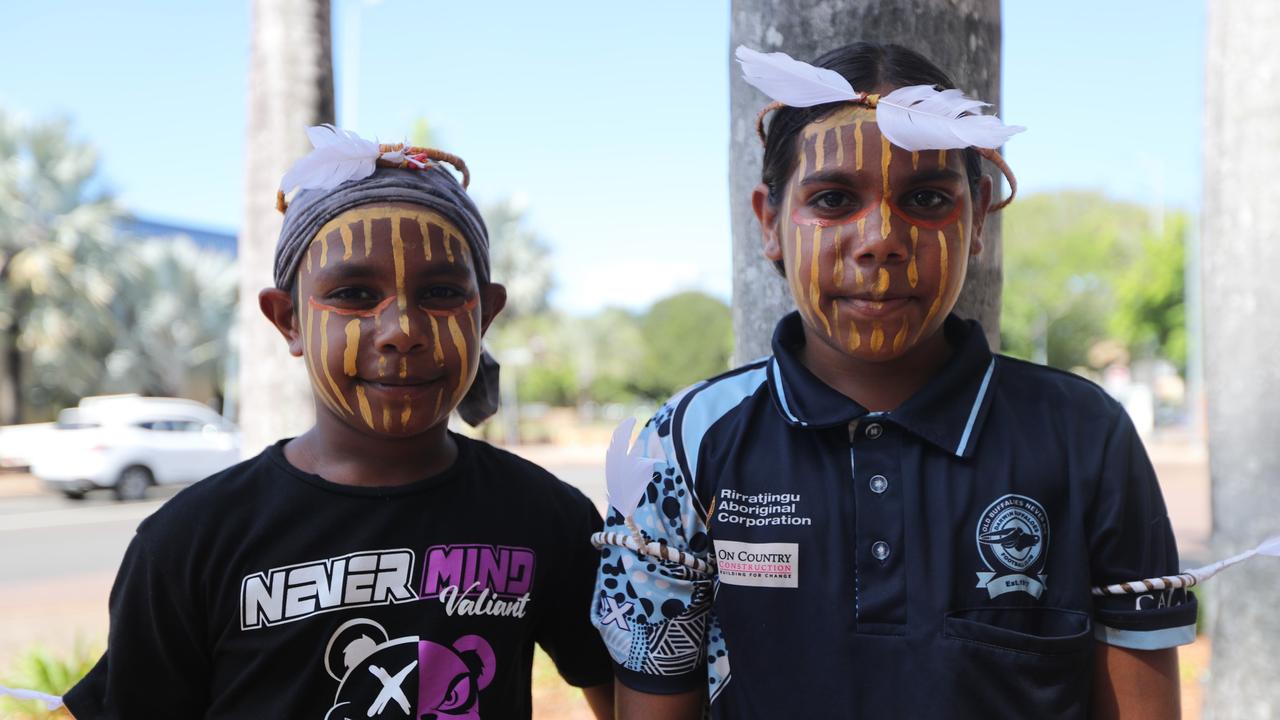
[[129, 443]]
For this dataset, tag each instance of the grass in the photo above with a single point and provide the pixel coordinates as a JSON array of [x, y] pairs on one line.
[[44, 671]]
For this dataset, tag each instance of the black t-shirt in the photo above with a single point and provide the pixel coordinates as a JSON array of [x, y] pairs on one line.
[[268, 592]]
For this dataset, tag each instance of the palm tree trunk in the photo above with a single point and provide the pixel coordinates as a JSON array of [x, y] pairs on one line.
[[290, 88], [11, 389], [1239, 257], [960, 36]]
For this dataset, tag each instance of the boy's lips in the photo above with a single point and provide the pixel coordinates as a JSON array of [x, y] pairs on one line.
[[401, 385]]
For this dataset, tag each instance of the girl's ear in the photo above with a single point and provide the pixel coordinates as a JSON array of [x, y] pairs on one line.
[[981, 206], [493, 297], [277, 305], [767, 214]]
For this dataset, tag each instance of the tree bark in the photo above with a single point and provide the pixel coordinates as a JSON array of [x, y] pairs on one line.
[[290, 88], [960, 36], [1240, 254]]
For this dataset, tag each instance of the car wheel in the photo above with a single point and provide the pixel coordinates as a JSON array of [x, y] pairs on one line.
[[133, 483]]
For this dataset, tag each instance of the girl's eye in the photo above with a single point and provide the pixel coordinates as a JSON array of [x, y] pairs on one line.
[[926, 200], [833, 201]]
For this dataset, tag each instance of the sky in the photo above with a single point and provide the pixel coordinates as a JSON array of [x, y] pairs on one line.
[[608, 122]]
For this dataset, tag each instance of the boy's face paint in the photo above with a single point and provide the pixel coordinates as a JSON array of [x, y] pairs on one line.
[[875, 239], [390, 317]]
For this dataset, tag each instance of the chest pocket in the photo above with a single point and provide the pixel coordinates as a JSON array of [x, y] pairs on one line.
[[1015, 663]]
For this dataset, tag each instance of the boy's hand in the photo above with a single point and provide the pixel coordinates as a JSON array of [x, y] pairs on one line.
[[1135, 684]]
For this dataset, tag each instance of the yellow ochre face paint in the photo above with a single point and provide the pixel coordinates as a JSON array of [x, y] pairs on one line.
[[874, 245], [409, 369]]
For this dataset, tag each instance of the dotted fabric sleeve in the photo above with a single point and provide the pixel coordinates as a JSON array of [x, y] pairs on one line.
[[656, 616]]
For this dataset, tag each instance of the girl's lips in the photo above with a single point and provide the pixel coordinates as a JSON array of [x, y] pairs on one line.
[[870, 308]]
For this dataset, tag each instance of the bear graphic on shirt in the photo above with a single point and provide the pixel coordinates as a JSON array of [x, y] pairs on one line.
[[406, 677]]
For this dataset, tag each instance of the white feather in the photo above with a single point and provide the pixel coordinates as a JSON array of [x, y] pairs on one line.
[[337, 156], [627, 473], [922, 118], [790, 81], [51, 702], [1270, 546]]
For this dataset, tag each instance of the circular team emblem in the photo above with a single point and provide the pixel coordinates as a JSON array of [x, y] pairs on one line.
[[1013, 537]]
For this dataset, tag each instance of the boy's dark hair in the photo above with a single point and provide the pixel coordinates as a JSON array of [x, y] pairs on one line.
[[866, 66]]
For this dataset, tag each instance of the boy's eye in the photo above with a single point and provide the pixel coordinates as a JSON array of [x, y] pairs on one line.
[[442, 297], [350, 295]]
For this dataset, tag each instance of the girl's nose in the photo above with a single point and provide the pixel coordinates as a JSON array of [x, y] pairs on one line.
[[880, 243]]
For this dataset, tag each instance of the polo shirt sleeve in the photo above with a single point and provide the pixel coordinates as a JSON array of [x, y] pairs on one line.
[[653, 615], [1131, 539]]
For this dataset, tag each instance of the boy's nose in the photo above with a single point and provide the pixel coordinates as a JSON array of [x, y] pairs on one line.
[[399, 331]]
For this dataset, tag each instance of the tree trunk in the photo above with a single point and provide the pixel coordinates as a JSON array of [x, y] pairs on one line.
[[960, 36], [11, 401], [1240, 253], [290, 88]]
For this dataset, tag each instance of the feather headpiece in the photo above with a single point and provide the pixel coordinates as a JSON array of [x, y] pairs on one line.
[[917, 117], [338, 156], [1189, 578]]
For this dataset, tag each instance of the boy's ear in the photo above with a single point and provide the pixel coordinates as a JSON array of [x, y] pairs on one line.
[[493, 297], [767, 214], [277, 305], [981, 206]]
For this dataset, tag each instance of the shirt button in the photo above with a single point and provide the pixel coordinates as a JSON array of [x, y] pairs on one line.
[[874, 431], [879, 484], [880, 550]]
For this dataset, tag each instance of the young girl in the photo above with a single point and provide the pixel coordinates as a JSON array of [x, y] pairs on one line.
[[884, 519], [378, 566]]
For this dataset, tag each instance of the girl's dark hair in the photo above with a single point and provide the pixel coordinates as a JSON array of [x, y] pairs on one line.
[[867, 66]]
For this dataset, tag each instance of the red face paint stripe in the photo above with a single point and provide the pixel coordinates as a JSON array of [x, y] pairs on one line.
[[927, 224], [468, 306], [824, 222], [377, 309]]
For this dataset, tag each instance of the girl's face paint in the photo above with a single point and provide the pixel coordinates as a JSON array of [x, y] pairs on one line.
[[876, 241], [391, 318]]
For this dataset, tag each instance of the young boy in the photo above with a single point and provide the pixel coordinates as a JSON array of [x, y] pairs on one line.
[[377, 566], [901, 524]]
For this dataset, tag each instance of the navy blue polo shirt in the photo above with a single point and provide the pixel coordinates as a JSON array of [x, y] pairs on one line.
[[931, 561]]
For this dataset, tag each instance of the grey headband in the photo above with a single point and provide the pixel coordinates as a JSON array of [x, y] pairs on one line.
[[434, 188]]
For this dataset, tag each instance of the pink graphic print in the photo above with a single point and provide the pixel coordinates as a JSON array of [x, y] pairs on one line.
[[450, 679], [406, 677]]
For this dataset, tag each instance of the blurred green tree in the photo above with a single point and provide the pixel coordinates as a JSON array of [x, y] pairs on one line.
[[521, 260], [1080, 268], [176, 305], [1150, 313], [684, 338], [56, 256], [614, 351]]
